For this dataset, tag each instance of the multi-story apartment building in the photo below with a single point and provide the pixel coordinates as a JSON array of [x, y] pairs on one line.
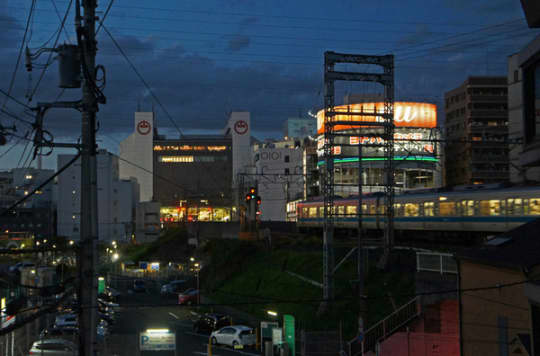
[[476, 150], [116, 199]]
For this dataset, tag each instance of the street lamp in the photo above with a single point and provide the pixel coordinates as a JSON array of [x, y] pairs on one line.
[[197, 269]]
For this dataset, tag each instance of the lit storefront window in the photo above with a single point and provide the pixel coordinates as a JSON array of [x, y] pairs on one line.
[[194, 213], [175, 159]]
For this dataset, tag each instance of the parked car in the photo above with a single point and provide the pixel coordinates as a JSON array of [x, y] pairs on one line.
[[234, 335], [65, 320], [139, 286], [54, 347], [189, 296], [173, 287], [68, 332], [210, 322], [20, 265]]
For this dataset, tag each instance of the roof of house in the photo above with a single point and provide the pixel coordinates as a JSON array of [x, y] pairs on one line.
[[517, 248]]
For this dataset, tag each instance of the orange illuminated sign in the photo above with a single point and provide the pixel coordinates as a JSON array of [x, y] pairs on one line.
[[406, 114]]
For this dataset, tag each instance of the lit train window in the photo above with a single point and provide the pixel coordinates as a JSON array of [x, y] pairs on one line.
[[534, 206], [525, 206], [514, 206], [341, 210], [321, 211], [312, 212], [411, 209], [429, 208], [467, 207], [447, 208], [305, 212], [351, 209], [398, 210], [365, 209], [491, 208], [372, 209]]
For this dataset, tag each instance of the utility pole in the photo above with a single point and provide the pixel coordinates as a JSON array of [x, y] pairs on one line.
[[87, 258]]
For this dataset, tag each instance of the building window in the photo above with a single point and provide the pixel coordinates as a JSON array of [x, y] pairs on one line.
[[287, 159], [287, 171]]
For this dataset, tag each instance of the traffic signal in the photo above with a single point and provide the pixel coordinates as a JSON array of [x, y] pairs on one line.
[[259, 200], [248, 197]]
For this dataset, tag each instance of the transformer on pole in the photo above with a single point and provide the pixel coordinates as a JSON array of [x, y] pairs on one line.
[[368, 123]]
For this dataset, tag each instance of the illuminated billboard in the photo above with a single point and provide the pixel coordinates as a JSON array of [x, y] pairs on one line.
[[406, 114]]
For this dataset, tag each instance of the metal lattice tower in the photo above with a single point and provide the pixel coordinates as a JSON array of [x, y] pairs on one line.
[[384, 125]]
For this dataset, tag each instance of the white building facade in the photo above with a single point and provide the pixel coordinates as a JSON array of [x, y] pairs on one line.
[[117, 199], [280, 178], [524, 114], [136, 154]]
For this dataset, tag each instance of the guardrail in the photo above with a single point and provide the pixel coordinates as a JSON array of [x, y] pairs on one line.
[[436, 262]]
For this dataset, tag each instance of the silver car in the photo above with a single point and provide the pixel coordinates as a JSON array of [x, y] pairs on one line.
[[54, 347], [234, 335]]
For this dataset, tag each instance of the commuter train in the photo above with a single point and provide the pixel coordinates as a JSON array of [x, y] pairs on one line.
[[476, 210]]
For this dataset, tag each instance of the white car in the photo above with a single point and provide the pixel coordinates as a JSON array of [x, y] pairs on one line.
[[64, 320], [54, 347], [233, 335]]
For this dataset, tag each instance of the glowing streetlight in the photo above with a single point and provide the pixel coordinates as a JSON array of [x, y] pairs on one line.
[[115, 257], [272, 313], [192, 259], [71, 242]]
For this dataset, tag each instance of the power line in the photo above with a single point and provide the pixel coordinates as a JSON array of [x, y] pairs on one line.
[[266, 15], [44, 183], [62, 27], [31, 95], [104, 16], [14, 75], [142, 79], [14, 99]]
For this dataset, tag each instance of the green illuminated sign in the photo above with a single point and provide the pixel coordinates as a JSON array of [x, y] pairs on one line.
[[396, 158], [101, 285], [288, 324]]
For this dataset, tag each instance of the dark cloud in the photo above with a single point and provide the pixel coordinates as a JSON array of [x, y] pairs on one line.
[[421, 34], [484, 8], [237, 42]]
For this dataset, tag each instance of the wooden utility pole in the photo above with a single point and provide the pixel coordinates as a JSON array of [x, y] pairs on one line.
[[89, 230]]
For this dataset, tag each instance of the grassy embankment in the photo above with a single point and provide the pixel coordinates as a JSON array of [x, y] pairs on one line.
[[254, 278]]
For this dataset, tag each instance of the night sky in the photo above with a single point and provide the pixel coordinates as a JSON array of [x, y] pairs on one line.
[[206, 58]]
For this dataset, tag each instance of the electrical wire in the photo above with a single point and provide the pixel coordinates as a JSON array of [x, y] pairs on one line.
[[31, 95], [39, 187], [117, 45], [14, 75], [62, 27], [104, 16]]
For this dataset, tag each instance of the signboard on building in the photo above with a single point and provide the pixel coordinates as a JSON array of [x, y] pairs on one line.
[[406, 114], [157, 340]]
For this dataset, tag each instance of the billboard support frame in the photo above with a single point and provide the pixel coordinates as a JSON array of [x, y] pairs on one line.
[[385, 122]]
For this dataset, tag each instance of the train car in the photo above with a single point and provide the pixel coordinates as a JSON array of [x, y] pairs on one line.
[[467, 210]]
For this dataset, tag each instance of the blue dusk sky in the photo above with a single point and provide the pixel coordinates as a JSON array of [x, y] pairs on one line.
[[206, 58]]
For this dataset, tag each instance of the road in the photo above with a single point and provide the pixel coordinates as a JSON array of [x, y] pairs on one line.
[[138, 312]]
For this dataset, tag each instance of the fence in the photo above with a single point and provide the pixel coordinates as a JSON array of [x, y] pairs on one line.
[[436, 262], [320, 343]]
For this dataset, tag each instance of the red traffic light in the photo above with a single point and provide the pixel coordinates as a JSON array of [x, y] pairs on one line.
[[248, 197]]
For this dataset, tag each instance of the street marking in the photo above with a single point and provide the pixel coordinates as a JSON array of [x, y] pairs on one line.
[[203, 353], [174, 315], [225, 348]]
